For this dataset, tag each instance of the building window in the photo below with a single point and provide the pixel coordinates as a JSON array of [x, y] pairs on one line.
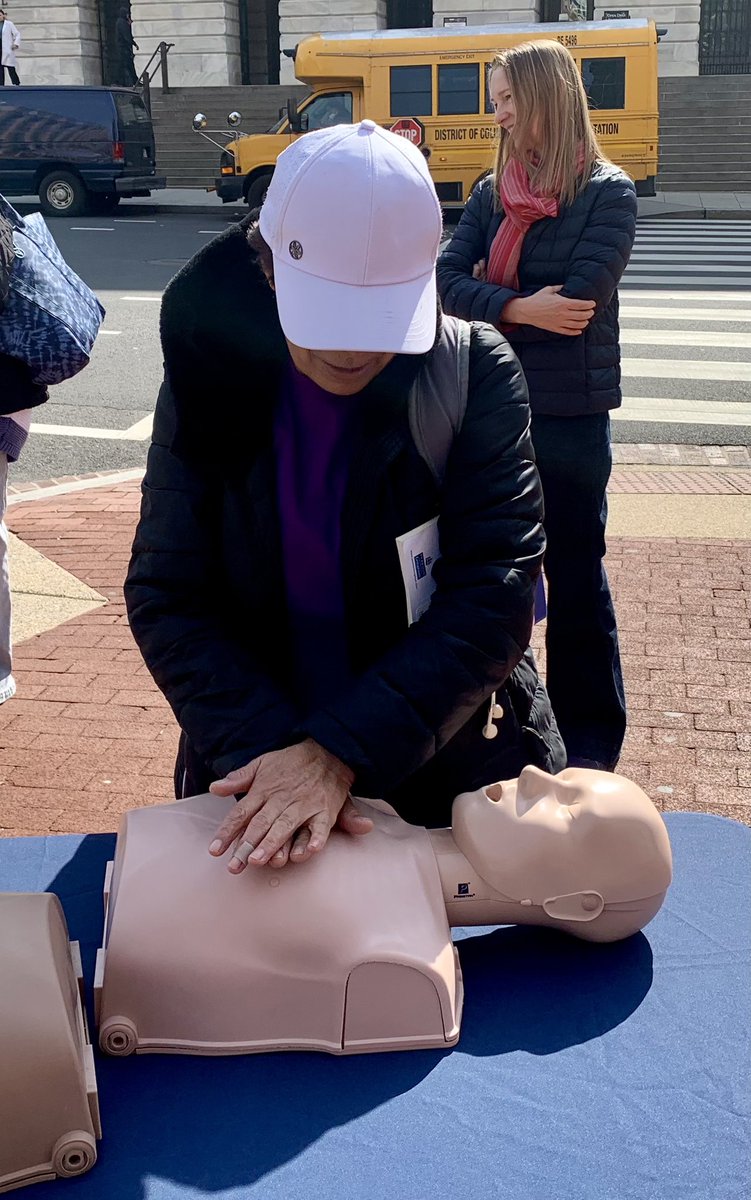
[[605, 82], [458, 89], [411, 92]]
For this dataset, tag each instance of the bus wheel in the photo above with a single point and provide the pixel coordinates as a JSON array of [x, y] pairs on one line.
[[63, 194], [255, 193]]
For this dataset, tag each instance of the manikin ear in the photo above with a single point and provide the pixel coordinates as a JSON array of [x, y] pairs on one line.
[[577, 906]]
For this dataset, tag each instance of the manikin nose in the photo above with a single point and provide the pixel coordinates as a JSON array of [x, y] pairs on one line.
[[533, 779], [535, 785]]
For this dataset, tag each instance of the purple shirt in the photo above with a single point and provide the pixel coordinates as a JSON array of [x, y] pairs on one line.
[[313, 433]]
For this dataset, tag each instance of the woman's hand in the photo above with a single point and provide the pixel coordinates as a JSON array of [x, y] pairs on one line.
[[294, 799], [479, 271], [547, 310]]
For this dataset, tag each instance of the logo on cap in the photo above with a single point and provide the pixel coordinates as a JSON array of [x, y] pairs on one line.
[[295, 250]]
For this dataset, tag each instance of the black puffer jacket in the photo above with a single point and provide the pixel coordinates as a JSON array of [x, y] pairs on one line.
[[205, 591], [17, 389], [585, 248]]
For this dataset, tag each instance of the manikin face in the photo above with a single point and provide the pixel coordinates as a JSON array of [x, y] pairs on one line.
[[551, 835], [342, 372]]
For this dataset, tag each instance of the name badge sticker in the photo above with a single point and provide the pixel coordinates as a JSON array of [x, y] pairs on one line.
[[418, 553]]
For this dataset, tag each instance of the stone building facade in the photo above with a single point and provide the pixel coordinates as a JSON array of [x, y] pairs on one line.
[[221, 42]]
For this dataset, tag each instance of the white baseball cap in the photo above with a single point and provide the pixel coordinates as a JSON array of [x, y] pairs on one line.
[[354, 225]]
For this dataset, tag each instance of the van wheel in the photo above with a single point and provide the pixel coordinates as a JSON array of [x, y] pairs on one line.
[[62, 194], [256, 191], [103, 202]]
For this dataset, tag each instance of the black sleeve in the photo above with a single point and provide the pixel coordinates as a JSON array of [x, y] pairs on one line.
[[229, 708], [17, 389], [600, 256], [461, 295], [602, 252], [405, 708]]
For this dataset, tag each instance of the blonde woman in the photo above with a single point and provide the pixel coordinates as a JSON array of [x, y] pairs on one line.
[[538, 253]]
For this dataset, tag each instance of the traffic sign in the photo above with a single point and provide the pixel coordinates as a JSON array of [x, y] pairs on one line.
[[410, 127]]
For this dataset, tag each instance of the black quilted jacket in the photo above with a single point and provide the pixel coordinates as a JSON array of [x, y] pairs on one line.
[[585, 248], [205, 590]]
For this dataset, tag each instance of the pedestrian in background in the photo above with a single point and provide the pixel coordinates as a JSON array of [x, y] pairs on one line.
[[18, 396], [126, 44], [538, 253], [10, 41]]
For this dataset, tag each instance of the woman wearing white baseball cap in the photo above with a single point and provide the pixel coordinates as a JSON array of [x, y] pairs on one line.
[[290, 452]]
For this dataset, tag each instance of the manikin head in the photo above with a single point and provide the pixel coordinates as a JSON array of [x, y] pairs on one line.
[[585, 846]]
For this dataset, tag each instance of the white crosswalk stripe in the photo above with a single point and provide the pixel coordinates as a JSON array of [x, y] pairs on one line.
[[688, 289]]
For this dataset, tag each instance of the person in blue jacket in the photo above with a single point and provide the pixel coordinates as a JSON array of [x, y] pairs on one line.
[[538, 253]]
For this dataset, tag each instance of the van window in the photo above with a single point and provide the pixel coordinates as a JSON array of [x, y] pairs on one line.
[[411, 91], [605, 82], [81, 107], [458, 89], [335, 108], [131, 110]]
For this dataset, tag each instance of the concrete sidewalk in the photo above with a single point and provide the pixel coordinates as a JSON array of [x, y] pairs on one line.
[[703, 202], [88, 735]]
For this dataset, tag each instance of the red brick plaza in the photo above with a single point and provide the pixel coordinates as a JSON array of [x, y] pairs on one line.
[[89, 735]]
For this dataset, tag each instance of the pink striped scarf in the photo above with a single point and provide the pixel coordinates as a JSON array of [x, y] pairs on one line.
[[522, 206]]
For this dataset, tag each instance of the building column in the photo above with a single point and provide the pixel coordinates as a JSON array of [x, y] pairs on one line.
[[59, 45], [298, 19], [206, 36], [487, 12], [678, 52]]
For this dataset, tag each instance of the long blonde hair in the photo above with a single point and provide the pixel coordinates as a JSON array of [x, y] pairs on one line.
[[551, 114]]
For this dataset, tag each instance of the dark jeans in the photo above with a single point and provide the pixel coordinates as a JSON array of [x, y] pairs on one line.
[[13, 76], [584, 678]]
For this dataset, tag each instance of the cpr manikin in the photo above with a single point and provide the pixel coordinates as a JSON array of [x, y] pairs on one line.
[[49, 1114], [352, 951]]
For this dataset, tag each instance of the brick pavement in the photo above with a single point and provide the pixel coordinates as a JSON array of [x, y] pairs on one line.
[[89, 735]]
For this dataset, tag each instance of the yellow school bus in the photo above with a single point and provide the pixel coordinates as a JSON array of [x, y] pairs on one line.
[[431, 86]]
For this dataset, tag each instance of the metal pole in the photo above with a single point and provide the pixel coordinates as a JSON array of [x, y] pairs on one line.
[[146, 91], [164, 50]]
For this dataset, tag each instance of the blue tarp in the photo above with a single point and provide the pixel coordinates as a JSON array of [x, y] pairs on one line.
[[583, 1072]]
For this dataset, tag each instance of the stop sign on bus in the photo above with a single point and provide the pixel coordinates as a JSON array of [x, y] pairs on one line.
[[410, 127]]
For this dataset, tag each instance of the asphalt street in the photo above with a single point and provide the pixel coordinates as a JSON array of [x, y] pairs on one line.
[[128, 262], [686, 324]]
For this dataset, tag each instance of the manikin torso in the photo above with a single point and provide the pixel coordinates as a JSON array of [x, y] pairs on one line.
[[352, 951], [49, 1112]]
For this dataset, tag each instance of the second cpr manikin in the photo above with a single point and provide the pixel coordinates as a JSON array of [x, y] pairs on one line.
[[49, 1107], [352, 951]]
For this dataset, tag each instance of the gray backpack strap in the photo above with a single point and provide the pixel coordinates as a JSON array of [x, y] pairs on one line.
[[438, 400]]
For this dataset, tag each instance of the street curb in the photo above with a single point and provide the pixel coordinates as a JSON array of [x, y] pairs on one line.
[[46, 491]]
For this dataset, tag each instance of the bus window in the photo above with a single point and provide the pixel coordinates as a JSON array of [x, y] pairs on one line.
[[486, 87], [411, 91], [458, 89], [335, 108], [605, 82]]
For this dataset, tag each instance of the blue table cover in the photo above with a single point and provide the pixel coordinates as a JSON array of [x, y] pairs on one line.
[[583, 1072]]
